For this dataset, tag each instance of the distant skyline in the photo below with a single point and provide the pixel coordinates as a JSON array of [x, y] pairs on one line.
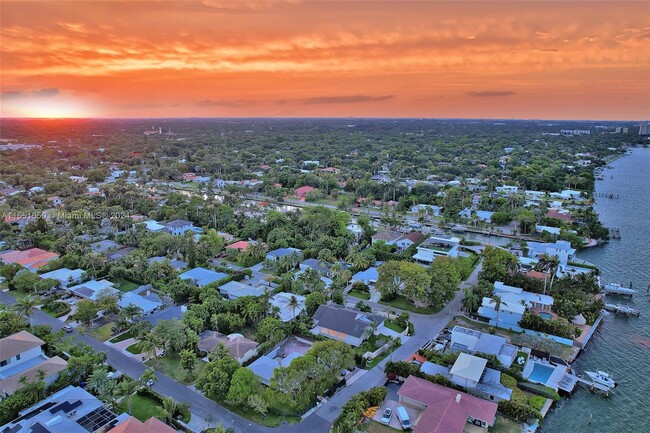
[[209, 58]]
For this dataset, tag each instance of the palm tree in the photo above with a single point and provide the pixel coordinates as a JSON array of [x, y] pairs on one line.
[[293, 305], [220, 351], [256, 250], [149, 344], [471, 301], [167, 410], [26, 306], [98, 380], [36, 387], [496, 300], [126, 389], [131, 312]]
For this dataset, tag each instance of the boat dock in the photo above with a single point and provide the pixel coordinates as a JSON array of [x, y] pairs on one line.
[[614, 232], [608, 195], [570, 381], [623, 309], [617, 289]]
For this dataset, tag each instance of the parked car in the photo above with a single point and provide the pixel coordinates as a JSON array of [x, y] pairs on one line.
[[388, 414], [67, 328], [71, 301], [403, 417]]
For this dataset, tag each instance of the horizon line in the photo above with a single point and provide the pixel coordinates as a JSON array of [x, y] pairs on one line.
[[511, 119]]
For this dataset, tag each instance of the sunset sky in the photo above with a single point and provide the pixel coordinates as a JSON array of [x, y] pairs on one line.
[[210, 58]]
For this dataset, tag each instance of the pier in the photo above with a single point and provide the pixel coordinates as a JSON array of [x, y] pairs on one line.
[[570, 381], [608, 195], [622, 309], [614, 232]]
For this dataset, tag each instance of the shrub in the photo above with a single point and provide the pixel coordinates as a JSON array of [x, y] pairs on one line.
[[518, 411], [542, 390], [508, 381]]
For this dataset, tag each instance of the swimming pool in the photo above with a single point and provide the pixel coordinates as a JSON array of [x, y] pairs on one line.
[[544, 315], [540, 373]]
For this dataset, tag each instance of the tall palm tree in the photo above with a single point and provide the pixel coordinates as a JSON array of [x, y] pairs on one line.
[[26, 306], [293, 305], [98, 380], [149, 344], [168, 410], [496, 300], [126, 389], [131, 312], [471, 301]]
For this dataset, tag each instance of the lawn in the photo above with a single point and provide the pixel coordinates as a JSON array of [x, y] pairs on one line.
[[60, 309], [361, 295], [170, 365], [102, 333], [123, 336], [375, 427], [393, 326], [270, 420], [134, 349], [504, 425], [127, 286], [486, 327], [145, 407], [379, 358], [402, 303]]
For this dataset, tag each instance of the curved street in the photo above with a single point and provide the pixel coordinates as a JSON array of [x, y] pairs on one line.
[[207, 413]]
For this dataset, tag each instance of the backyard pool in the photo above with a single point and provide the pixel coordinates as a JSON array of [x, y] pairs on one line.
[[540, 373], [544, 315]]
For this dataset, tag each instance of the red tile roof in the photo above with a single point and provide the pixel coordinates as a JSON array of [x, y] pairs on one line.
[[32, 255], [134, 425], [241, 245], [303, 190], [447, 409], [558, 215]]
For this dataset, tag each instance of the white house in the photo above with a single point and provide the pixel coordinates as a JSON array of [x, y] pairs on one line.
[[179, 227], [282, 301], [507, 189], [467, 370], [547, 229], [65, 276], [437, 246], [560, 249], [21, 355], [472, 341]]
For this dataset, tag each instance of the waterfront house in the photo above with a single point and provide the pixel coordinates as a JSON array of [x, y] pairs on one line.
[[21, 355], [437, 246], [472, 341], [446, 410], [350, 326], [560, 249]]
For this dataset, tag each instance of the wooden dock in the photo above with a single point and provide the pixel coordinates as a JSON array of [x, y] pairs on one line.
[[610, 195], [614, 232], [622, 309]]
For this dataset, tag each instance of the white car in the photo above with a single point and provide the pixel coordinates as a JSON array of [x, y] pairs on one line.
[[388, 414]]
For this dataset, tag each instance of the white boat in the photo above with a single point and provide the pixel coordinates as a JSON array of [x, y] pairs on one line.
[[617, 289], [602, 378]]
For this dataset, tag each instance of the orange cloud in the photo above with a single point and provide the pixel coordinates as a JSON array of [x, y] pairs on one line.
[[214, 58]]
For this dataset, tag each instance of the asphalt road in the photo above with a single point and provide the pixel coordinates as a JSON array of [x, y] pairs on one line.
[[426, 328]]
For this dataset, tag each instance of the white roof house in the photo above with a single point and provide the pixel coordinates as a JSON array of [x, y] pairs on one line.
[[235, 289], [90, 289], [65, 276], [517, 295], [467, 370], [282, 300]]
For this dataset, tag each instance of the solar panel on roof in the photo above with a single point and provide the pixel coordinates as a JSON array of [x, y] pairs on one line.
[[39, 428], [96, 419], [13, 429], [38, 410], [66, 406]]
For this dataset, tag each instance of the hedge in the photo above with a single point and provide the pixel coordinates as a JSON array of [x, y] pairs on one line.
[[353, 410], [542, 390], [508, 381], [521, 412]]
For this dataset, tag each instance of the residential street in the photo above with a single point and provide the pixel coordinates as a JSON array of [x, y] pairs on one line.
[[208, 413]]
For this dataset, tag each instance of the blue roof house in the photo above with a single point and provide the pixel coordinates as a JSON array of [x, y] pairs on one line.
[[202, 277]]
